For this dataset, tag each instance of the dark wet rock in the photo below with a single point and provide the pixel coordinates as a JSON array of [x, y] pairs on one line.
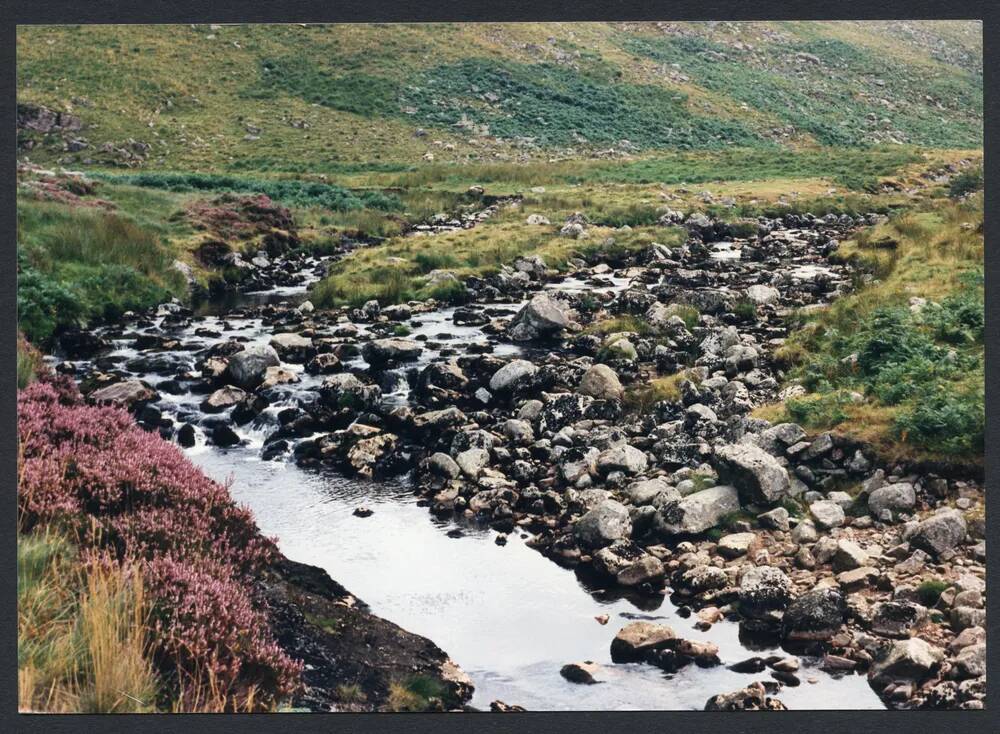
[[750, 665], [580, 672], [224, 436], [77, 344], [186, 436], [635, 639], [814, 615], [352, 647], [381, 352]]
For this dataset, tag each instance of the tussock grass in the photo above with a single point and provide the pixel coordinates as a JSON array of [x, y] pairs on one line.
[[82, 632]]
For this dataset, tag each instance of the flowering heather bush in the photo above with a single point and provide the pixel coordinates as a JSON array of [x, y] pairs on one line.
[[240, 217], [93, 470]]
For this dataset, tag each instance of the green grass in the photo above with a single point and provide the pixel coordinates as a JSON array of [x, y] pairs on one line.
[[77, 265], [852, 168], [347, 99], [919, 372]]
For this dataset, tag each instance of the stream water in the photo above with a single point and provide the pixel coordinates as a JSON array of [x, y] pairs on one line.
[[508, 616]]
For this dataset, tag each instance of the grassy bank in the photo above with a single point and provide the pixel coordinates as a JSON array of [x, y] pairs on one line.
[[399, 270], [899, 363]]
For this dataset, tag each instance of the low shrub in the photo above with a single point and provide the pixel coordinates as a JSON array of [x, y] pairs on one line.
[[93, 472], [294, 192], [966, 182]]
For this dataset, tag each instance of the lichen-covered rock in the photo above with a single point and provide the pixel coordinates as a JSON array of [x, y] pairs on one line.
[[755, 473], [814, 615], [607, 522], [940, 532], [697, 512], [752, 698]]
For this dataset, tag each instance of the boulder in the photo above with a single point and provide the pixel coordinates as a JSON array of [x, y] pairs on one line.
[[849, 556], [910, 659], [389, 351], [635, 639], [344, 390], [762, 295], [756, 474], [648, 569], [776, 519], [940, 532], [735, 544], [442, 465], [127, 394], [365, 456], [814, 615], [644, 492], [752, 698], [697, 512], [896, 618], [292, 347], [762, 590], [222, 399], [508, 376], [472, 461], [541, 316], [278, 376], [580, 672], [601, 382], [899, 497], [622, 458], [323, 364], [827, 514], [607, 522], [246, 369]]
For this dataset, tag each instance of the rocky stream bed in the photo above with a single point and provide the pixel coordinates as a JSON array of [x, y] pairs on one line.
[[436, 459]]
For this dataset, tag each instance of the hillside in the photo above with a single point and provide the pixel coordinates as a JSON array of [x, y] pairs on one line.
[[339, 99]]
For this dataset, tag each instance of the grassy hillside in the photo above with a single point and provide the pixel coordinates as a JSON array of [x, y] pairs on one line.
[[347, 98]]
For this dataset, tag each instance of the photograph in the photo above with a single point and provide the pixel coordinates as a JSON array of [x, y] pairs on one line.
[[480, 366]]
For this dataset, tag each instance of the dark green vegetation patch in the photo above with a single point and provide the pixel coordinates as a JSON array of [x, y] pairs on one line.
[[832, 90], [291, 192]]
